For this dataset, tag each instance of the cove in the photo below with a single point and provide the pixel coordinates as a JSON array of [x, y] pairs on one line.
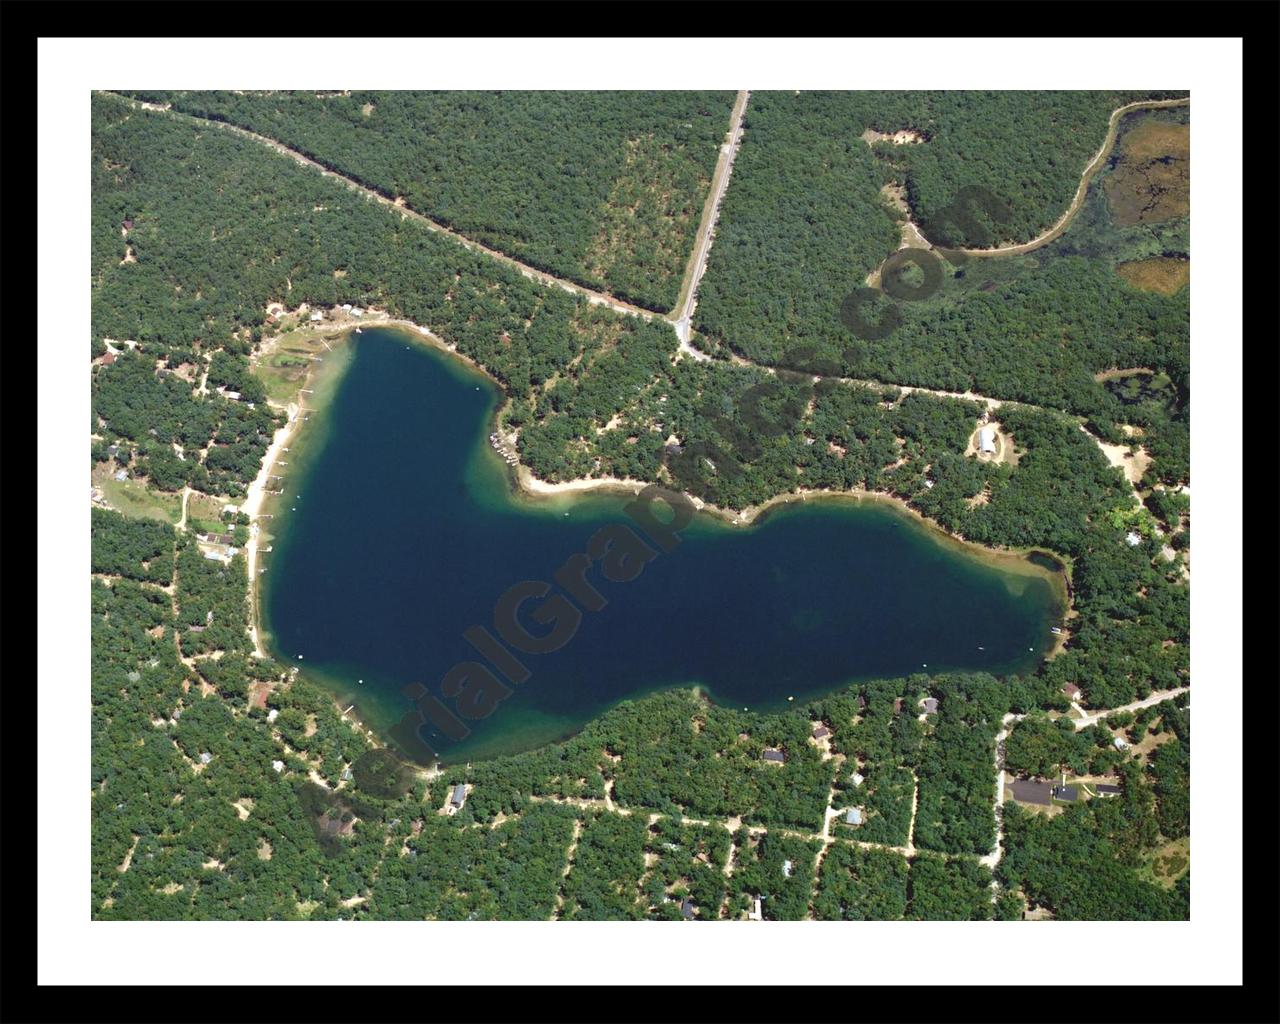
[[399, 528]]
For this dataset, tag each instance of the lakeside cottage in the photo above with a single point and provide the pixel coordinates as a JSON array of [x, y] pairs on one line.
[[930, 705], [821, 732]]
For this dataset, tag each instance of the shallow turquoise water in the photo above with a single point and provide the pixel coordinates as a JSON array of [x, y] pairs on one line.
[[401, 531]]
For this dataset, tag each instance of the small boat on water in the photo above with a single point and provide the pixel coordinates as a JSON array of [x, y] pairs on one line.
[[358, 331]]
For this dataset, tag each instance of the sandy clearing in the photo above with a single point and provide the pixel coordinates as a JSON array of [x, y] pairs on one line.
[[1132, 463]]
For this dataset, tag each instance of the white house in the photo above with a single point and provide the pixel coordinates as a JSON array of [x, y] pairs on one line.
[[987, 440], [317, 316], [1133, 539]]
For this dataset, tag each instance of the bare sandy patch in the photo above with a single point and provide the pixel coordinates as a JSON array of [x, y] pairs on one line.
[[901, 137], [128, 857], [1132, 463]]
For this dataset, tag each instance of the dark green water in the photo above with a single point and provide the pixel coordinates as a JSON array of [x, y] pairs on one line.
[[399, 530]]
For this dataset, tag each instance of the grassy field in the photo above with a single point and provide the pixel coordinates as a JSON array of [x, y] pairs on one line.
[[1158, 274], [1169, 862], [134, 498], [283, 370]]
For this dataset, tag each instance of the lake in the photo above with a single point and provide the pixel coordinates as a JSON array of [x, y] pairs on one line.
[[400, 528]]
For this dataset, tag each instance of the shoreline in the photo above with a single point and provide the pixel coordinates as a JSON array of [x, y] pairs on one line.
[[252, 508], [527, 486]]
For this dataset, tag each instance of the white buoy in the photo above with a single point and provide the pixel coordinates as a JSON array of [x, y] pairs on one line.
[[299, 657]]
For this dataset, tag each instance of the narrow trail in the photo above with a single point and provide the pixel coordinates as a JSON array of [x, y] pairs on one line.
[[997, 852], [910, 849], [590, 294], [558, 911], [681, 316], [1156, 698]]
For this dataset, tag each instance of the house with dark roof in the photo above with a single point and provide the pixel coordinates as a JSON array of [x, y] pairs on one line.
[[775, 756], [687, 909], [459, 796], [1106, 789], [1067, 793], [820, 732]]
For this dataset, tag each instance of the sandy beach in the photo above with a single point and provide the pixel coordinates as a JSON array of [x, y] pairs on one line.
[[251, 507]]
